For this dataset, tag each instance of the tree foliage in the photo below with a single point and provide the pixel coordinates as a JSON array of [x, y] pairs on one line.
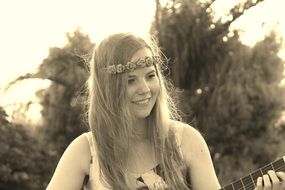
[[230, 92], [23, 161], [63, 102]]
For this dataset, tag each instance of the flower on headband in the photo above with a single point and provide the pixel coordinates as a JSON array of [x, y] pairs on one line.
[[120, 68], [131, 66], [140, 63], [156, 59], [148, 61], [112, 69]]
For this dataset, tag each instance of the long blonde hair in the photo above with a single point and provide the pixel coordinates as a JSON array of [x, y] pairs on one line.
[[111, 122]]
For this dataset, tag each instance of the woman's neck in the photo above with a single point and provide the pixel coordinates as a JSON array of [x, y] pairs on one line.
[[140, 129]]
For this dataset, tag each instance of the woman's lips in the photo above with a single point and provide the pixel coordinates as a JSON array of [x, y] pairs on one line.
[[142, 102]]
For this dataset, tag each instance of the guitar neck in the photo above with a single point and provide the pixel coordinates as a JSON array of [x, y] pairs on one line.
[[248, 182]]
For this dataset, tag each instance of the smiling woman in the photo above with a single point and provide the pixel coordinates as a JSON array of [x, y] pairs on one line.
[[136, 139]]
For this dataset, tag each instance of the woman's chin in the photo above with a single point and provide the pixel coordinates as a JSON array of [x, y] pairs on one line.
[[142, 115]]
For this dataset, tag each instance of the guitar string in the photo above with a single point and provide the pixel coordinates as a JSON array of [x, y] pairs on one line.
[[251, 185]]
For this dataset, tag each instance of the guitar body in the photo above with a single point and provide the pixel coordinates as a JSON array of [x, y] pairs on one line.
[[249, 182]]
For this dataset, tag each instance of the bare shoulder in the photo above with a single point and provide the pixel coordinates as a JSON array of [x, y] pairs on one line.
[[79, 149], [197, 156], [77, 152], [187, 131], [73, 165], [80, 142], [192, 142]]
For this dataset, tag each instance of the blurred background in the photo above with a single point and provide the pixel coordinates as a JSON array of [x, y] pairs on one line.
[[226, 60]]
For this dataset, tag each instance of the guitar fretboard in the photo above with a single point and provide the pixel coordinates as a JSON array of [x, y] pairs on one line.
[[248, 182]]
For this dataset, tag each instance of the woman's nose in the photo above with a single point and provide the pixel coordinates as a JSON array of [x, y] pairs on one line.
[[143, 87]]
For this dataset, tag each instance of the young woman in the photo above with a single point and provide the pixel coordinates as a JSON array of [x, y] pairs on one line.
[[136, 140]]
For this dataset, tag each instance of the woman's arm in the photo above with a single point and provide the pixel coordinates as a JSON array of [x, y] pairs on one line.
[[197, 156], [203, 177], [72, 167]]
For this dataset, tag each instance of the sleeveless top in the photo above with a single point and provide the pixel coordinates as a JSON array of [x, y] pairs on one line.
[[148, 180]]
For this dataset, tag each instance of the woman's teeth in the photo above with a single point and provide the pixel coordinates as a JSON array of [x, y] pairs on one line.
[[142, 101]]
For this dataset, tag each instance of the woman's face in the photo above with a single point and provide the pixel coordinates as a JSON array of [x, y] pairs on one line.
[[143, 87]]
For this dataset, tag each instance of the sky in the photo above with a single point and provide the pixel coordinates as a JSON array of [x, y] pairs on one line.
[[30, 27]]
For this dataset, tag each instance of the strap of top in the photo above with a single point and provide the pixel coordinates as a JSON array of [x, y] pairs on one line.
[[89, 137], [94, 181], [179, 132], [90, 140]]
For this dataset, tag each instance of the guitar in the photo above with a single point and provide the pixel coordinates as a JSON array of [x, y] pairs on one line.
[[249, 182]]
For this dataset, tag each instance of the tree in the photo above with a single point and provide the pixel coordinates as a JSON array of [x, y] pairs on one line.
[[64, 100], [230, 92], [23, 162]]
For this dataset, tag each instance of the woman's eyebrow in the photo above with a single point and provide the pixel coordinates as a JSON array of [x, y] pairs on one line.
[[150, 72], [132, 76]]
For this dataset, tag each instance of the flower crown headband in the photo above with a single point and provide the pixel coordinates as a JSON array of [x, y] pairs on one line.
[[132, 65]]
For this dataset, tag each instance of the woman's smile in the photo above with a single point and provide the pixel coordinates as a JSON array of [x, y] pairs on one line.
[[142, 101]]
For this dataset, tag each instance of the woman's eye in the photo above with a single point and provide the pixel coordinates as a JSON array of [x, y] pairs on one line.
[[131, 81], [151, 76]]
